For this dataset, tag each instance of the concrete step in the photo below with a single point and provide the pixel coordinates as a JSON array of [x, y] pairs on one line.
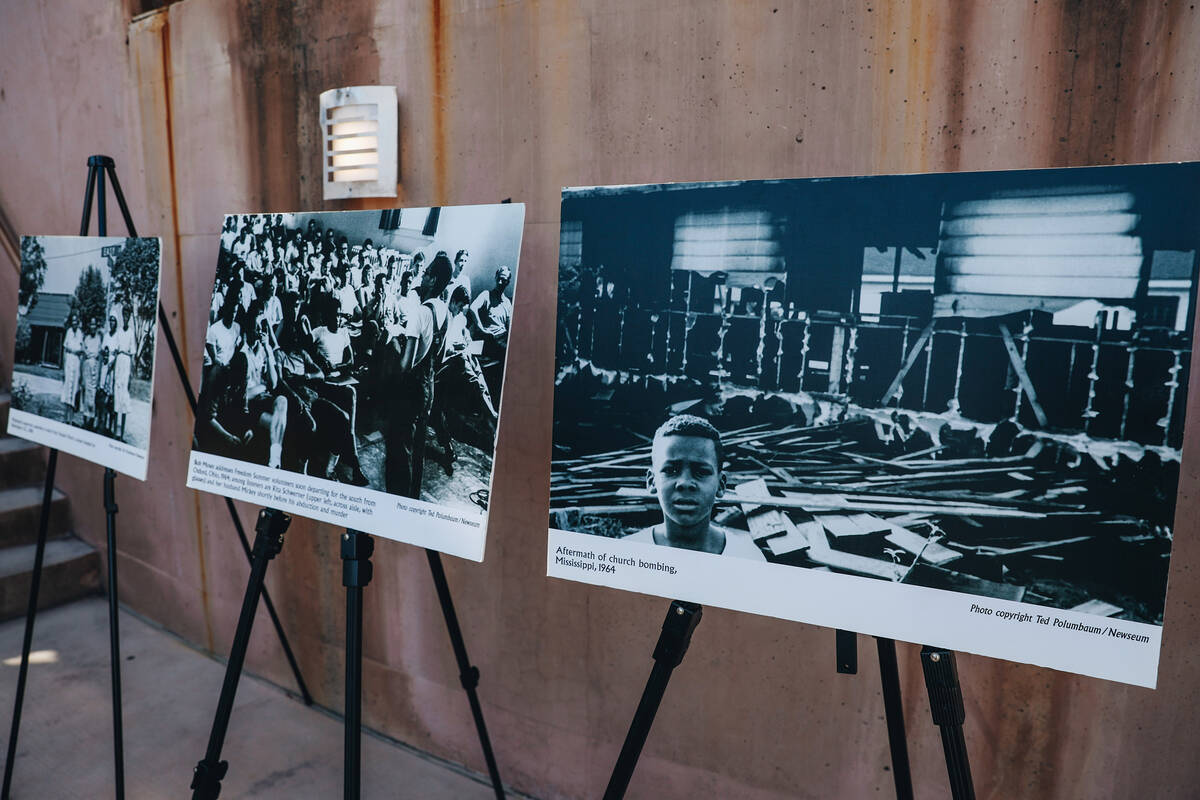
[[70, 570], [21, 462], [21, 509]]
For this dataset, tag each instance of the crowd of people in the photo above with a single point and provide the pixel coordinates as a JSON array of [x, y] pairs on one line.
[[313, 341], [97, 365]]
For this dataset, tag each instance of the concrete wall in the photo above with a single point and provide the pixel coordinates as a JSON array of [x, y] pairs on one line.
[[210, 107]]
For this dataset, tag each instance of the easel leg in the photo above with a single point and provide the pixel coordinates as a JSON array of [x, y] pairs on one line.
[[233, 514], [357, 548], [889, 676], [946, 706], [114, 634], [268, 541], [467, 673], [846, 650], [110, 168], [30, 614], [682, 619]]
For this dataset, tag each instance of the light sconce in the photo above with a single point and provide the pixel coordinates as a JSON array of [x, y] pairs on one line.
[[359, 126]]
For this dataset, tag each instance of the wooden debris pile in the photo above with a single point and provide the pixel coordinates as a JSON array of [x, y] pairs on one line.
[[846, 497]]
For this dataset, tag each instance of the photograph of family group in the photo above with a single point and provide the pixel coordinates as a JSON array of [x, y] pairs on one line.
[[365, 348], [85, 335]]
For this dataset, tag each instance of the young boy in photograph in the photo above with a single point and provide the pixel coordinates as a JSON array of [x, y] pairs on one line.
[[686, 476]]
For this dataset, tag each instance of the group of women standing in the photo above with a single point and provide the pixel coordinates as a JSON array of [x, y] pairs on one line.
[[97, 365]]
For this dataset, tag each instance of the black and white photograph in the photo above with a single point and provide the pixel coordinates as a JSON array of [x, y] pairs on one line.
[[356, 357], [83, 366], [938, 407]]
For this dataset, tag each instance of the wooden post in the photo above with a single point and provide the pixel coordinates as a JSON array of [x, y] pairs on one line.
[[762, 337], [928, 365], [1089, 411], [897, 386], [836, 354], [1024, 383], [953, 405], [687, 322], [851, 352], [804, 347], [1172, 388], [1131, 355]]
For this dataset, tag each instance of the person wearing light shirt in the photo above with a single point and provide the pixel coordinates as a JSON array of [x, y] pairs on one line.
[[124, 345]]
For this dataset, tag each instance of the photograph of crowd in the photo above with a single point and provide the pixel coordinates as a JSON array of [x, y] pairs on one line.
[[971, 382], [363, 347], [86, 318]]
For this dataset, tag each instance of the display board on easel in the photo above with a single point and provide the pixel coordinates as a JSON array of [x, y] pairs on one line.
[[936, 408], [353, 370], [959, 410], [83, 371], [77, 389], [317, 309]]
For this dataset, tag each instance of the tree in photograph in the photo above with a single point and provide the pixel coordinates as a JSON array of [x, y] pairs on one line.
[[33, 271], [90, 299], [24, 338], [133, 278]]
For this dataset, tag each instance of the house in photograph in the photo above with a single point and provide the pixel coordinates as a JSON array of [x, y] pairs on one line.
[[47, 321]]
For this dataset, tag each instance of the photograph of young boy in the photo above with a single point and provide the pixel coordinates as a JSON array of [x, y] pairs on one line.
[[686, 476]]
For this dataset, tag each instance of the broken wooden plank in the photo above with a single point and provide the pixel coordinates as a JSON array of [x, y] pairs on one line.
[[632, 508], [840, 525], [957, 473], [1032, 547], [1098, 607], [766, 523], [778, 473], [795, 537], [913, 355], [1018, 365], [918, 545], [756, 488], [762, 522], [862, 565], [936, 577]]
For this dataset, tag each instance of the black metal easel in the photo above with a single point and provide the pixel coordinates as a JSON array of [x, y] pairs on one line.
[[357, 548], [357, 570], [941, 680], [237, 520], [181, 370], [946, 706], [468, 674], [100, 166], [96, 168], [682, 619], [268, 541], [889, 677], [97, 165]]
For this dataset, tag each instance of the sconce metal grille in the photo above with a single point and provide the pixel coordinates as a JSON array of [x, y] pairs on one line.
[[360, 130]]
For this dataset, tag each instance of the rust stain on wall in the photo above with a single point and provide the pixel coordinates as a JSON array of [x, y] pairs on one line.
[[152, 63], [958, 44], [908, 42], [181, 305], [283, 57], [437, 54]]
